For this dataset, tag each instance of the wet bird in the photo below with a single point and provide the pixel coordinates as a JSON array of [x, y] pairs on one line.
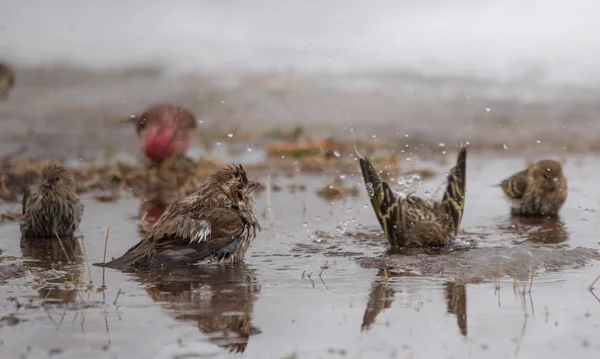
[[51, 206], [7, 81], [414, 222], [540, 190], [215, 224], [165, 131]]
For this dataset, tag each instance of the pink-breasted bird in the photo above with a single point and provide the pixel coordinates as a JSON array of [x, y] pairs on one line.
[[165, 131]]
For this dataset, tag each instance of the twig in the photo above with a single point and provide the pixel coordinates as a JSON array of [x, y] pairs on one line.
[[531, 281], [86, 261], [63, 247], [104, 259], [594, 282], [324, 267], [117, 298], [271, 217]]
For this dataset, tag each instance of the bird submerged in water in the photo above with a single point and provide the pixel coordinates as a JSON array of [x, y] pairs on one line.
[[215, 224], [414, 222], [7, 81], [51, 206], [540, 190], [165, 131]]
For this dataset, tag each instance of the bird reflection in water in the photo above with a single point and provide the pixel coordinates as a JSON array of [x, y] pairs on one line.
[[382, 296], [43, 255], [221, 301], [545, 230]]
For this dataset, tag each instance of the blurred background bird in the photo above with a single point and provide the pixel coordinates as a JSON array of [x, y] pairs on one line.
[[215, 224], [165, 131], [7, 81], [540, 190], [51, 206], [411, 221]]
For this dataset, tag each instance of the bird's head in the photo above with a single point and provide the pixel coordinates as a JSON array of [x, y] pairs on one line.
[[548, 174], [234, 185], [56, 179]]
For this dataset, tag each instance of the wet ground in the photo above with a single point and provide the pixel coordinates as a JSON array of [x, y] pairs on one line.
[[313, 284]]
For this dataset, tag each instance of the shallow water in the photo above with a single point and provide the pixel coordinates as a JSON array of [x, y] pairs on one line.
[[479, 302]]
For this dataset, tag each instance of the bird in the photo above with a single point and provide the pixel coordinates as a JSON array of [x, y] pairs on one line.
[[540, 190], [213, 225], [410, 221], [51, 206], [165, 131], [7, 81]]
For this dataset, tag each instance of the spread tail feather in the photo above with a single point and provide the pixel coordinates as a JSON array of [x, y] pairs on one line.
[[454, 196]]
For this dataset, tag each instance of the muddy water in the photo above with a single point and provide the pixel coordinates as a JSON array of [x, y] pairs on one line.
[[478, 300]]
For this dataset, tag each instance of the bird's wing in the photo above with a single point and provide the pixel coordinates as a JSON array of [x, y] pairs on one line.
[[516, 185], [189, 237], [381, 195], [454, 196], [384, 201]]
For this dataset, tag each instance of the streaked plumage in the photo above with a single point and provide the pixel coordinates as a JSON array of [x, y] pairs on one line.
[[51, 205], [7, 81], [540, 190], [165, 131], [411, 221], [215, 224]]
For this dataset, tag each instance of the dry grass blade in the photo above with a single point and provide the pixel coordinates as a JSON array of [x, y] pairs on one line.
[[63, 247], [324, 267], [594, 282], [86, 261], [104, 258], [271, 217]]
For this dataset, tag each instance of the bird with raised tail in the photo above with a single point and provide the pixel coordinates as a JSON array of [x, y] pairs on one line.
[[215, 224], [414, 222]]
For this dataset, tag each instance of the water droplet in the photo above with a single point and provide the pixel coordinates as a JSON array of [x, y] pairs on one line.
[[340, 230], [505, 147], [249, 149], [305, 224], [442, 144], [374, 136], [283, 157], [342, 176], [230, 135], [538, 141], [336, 153], [218, 143], [487, 109]]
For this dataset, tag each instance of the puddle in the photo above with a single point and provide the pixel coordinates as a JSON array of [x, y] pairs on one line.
[[313, 283]]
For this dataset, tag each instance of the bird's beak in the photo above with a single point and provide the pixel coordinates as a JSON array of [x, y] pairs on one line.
[[555, 183], [252, 186], [46, 184]]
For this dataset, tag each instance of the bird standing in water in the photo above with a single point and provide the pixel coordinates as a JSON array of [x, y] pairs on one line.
[[7, 81], [51, 206], [540, 190], [414, 222], [215, 224], [165, 131]]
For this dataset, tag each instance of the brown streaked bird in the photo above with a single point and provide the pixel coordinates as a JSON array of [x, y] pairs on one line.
[[51, 206], [165, 131], [7, 81], [414, 222], [215, 224], [540, 190]]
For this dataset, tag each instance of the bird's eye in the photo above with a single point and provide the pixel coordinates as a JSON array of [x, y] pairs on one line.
[[240, 186]]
